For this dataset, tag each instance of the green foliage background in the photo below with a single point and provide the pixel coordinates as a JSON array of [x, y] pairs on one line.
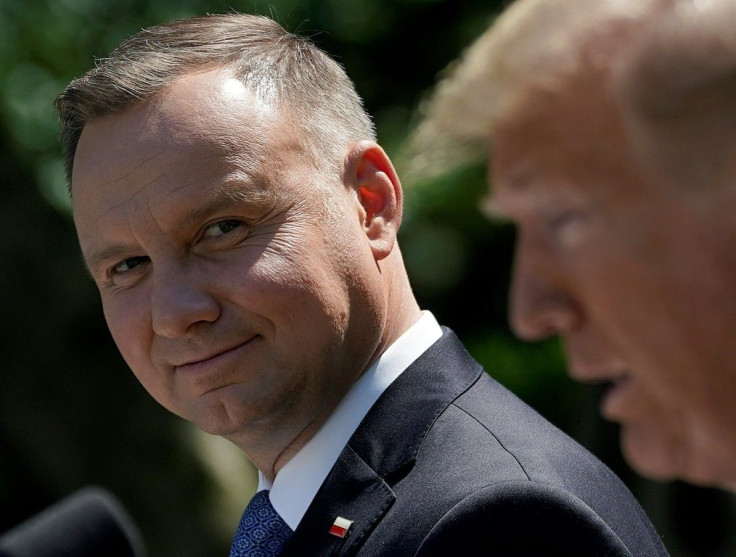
[[71, 414]]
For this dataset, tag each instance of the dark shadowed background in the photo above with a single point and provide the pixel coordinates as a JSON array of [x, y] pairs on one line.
[[71, 414]]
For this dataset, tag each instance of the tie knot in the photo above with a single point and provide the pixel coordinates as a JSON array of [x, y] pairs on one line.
[[261, 532]]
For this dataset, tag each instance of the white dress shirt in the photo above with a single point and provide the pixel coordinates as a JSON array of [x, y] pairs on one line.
[[297, 482]]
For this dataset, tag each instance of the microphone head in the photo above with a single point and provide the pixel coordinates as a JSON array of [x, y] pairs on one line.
[[90, 522]]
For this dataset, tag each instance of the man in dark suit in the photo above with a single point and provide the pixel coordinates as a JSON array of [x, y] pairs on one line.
[[240, 223], [450, 461]]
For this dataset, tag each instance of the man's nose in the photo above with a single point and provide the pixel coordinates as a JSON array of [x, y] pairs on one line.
[[540, 305], [180, 302]]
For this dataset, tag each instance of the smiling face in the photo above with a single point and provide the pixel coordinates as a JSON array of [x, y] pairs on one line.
[[236, 279], [635, 275]]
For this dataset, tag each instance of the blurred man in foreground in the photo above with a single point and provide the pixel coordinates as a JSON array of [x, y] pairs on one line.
[[240, 223], [624, 246]]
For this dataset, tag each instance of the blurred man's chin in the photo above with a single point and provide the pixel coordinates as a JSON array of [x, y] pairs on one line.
[[650, 453], [659, 456]]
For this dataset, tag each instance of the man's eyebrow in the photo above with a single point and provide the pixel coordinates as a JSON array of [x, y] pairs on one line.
[[491, 209], [100, 258], [512, 185], [238, 189], [495, 212], [223, 198], [518, 175], [517, 181]]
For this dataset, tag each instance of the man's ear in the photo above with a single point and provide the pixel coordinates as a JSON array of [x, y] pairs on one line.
[[370, 172]]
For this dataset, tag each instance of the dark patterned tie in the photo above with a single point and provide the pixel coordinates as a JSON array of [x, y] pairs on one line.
[[261, 532]]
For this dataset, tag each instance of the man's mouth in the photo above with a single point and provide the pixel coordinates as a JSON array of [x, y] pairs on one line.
[[613, 397], [211, 358], [613, 382]]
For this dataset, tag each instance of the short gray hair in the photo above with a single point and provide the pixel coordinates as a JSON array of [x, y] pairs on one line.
[[285, 68]]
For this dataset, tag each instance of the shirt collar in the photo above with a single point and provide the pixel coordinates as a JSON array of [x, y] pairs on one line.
[[297, 482]]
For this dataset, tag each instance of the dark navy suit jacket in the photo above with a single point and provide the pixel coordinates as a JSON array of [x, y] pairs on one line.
[[450, 463]]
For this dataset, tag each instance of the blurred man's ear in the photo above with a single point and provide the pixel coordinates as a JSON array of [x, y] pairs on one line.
[[370, 172]]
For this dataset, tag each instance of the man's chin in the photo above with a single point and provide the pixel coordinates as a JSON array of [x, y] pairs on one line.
[[219, 416], [651, 455], [662, 456]]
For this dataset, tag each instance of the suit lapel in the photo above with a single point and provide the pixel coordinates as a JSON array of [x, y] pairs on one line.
[[352, 491], [393, 430], [383, 449]]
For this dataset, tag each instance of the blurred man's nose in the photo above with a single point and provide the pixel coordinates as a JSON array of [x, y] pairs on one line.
[[180, 302], [540, 304]]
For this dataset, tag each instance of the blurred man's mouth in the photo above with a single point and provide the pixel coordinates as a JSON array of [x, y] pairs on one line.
[[613, 382], [615, 390]]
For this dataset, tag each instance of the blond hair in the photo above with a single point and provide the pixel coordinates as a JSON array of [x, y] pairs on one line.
[[677, 92], [533, 45]]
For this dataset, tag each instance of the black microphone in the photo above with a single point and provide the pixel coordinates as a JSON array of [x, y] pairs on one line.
[[90, 522]]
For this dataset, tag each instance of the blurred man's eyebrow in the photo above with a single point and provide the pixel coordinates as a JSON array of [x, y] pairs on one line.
[[515, 182], [493, 211], [489, 207]]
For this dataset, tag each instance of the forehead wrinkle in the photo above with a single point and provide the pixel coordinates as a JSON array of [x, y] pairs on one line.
[[237, 184], [213, 176], [137, 167], [163, 173], [135, 193], [133, 170]]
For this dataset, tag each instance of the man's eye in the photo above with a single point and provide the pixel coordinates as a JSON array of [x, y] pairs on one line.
[[570, 228], [565, 218], [128, 264], [222, 227]]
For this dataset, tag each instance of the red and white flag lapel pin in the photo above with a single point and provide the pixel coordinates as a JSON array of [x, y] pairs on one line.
[[340, 527]]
